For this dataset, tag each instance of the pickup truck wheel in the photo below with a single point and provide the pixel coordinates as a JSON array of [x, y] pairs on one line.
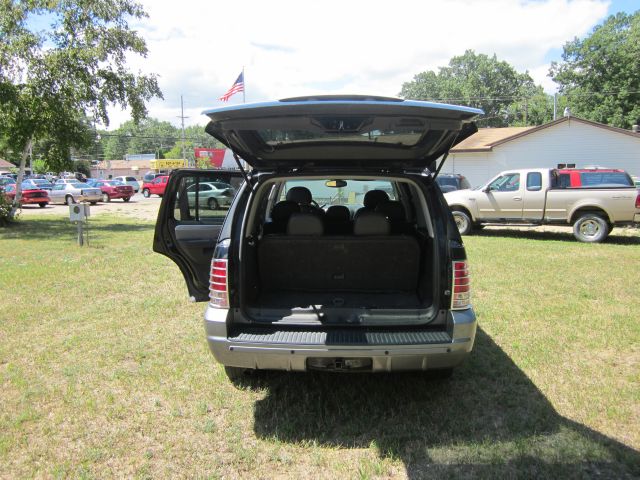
[[590, 228], [463, 222]]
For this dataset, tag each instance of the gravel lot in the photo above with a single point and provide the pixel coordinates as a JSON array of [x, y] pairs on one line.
[[138, 207]]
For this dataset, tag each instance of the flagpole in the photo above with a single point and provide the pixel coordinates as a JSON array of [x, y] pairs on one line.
[[244, 89]]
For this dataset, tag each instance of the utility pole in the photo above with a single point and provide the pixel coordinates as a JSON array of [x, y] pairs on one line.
[[184, 139]]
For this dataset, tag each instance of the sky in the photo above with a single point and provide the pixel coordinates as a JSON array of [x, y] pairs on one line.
[[290, 48]]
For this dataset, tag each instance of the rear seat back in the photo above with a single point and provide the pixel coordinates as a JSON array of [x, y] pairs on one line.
[[370, 261]]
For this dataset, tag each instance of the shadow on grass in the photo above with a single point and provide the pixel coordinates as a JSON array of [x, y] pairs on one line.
[[39, 229], [557, 236], [489, 421]]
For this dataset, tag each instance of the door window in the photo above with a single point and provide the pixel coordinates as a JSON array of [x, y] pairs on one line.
[[534, 181], [197, 201], [506, 183]]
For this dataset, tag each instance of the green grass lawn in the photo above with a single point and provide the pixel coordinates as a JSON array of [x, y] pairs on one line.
[[106, 373]]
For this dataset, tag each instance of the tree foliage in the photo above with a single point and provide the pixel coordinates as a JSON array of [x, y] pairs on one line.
[[50, 79], [600, 74], [154, 136], [478, 80]]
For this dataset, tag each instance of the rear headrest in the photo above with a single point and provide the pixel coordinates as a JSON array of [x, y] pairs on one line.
[[393, 210], [338, 213], [283, 210], [300, 195], [374, 197], [371, 223], [305, 224]]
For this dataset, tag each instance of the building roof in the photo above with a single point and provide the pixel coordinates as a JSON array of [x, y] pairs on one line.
[[6, 165], [487, 138]]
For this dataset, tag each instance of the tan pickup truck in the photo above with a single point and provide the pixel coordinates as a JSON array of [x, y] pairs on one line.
[[536, 197]]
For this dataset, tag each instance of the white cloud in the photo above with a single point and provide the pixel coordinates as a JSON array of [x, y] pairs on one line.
[[290, 48]]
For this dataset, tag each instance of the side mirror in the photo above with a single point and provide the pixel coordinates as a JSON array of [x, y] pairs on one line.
[[487, 189]]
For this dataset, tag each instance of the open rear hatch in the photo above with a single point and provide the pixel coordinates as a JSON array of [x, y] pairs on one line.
[[342, 131]]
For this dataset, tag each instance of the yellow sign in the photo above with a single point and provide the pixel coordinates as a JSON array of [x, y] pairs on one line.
[[168, 163]]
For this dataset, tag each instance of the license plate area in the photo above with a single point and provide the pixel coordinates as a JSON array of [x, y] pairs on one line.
[[339, 364]]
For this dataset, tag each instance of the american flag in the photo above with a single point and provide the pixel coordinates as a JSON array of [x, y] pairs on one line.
[[238, 86]]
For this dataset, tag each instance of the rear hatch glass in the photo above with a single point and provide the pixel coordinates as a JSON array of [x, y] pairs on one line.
[[342, 131]]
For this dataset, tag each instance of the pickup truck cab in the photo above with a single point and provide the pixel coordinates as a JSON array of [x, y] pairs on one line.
[[338, 251], [156, 186], [536, 197]]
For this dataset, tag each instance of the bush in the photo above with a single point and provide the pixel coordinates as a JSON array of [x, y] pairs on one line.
[[5, 209]]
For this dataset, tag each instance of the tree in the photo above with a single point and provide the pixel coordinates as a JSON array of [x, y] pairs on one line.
[[51, 79], [599, 74], [477, 80]]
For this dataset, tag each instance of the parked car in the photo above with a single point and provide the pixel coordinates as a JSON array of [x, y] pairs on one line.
[[5, 180], [30, 194], [535, 197], [593, 178], [448, 182], [40, 183], [213, 194], [155, 186], [71, 193], [63, 181], [129, 181], [284, 291], [150, 176], [113, 189]]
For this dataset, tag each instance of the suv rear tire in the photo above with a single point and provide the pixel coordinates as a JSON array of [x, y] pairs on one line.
[[590, 228], [463, 222]]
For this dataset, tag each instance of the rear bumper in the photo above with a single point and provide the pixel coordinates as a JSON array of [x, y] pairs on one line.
[[291, 350], [34, 200]]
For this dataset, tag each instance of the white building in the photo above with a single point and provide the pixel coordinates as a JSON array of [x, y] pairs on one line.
[[568, 141]]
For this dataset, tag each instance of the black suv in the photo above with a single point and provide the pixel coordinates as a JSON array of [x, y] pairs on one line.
[[339, 251], [448, 182]]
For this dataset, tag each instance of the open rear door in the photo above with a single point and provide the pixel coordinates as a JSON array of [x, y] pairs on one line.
[[192, 212]]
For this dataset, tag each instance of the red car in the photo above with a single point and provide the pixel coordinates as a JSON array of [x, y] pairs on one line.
[[30, 195], [155, 187], [593, 178], [112, 189]]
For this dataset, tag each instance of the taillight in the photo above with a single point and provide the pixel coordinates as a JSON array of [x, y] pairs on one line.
[[218, 284], [461, 291], [638, 201]]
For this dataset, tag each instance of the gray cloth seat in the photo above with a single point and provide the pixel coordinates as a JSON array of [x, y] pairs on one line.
[[368, 261], [371, 200], [280, 215]]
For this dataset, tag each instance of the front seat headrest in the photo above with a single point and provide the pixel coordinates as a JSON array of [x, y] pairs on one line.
[[373, 198], [300, 195]]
